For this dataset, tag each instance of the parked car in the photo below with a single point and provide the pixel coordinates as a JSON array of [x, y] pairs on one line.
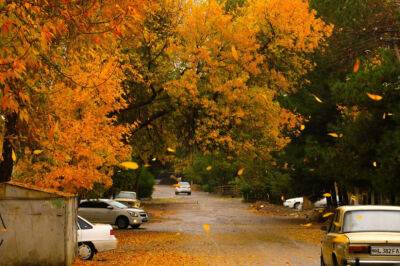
[[297, 203], [183, 187], [93, 238], [128, 198], [363, 235], [112, 212]]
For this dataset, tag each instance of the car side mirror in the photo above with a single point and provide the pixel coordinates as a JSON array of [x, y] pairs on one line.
[[110, 207], [324, 228]]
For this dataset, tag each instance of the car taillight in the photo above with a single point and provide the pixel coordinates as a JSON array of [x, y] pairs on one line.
[[358, 249], [112, 232]]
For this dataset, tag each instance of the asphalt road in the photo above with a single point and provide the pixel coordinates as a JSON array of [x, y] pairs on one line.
[[226, 232]]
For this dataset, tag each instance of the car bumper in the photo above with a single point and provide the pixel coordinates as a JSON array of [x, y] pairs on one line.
[[135, 220], [287, 204], [183, 190], [105, 245], [365, 262], [145, 217]]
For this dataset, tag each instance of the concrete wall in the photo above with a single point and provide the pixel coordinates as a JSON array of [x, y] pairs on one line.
[[36, 228]]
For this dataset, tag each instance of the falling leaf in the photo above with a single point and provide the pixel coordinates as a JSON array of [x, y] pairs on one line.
[[302, 127], [13, 156], [317, 99], [327, 195], [389, 114], [129, 165], [147, 165], [240, 172], [154, 159], [374, 97], [170, 149], [356, 66], [206, 228], [327, 214], [234, 53], [374, 164], [384, 116], [209, 168], [307, 225], [333, 134], [37, 152]]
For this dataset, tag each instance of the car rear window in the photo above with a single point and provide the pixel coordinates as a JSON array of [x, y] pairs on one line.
[[126, 195], [184, 184], [371, 221], [83, 224]]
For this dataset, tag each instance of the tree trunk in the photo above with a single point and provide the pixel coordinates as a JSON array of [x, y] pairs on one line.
[[6, 166]]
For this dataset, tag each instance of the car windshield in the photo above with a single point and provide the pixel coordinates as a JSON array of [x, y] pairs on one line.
[[126, 195], [117, 204], [184, 184], [371, 221]]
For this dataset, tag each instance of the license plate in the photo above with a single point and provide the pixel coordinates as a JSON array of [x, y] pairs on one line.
[[385, 251]]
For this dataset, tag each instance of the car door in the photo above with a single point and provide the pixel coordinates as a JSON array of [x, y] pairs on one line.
[[88, 210], [328, 244], [84, 230], [105, 213]]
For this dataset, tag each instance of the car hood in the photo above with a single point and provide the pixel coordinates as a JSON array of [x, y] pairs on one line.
[[374, 237], [126, 199], [135, 209]]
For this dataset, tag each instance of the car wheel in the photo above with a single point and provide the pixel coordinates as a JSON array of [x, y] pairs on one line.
[[86, 251], [296, 206], [176, 193], [135, 226], [122, 222], [189, 193]]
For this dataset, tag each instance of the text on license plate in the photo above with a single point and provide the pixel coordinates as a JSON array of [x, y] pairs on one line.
[[385, 251]]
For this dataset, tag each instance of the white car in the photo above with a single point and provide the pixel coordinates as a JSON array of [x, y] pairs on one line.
[[93, 238], [183, 187], [297, 203]]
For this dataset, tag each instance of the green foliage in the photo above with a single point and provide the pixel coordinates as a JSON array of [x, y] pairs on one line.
[[146, 183]]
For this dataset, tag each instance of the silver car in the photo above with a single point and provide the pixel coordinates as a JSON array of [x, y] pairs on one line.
[[111, 212]]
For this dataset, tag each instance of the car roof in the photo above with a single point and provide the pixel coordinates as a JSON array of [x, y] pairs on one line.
[[368, 208], [105, 200]]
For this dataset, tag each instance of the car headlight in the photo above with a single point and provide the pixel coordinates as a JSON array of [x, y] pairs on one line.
[[134, 214]]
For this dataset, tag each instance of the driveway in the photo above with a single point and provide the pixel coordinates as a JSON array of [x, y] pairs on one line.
[[204, 229]]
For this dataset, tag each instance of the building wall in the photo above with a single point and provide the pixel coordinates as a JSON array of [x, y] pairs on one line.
[[36, 228]]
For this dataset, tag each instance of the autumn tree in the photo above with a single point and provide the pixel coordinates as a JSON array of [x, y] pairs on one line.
[[59, 82]]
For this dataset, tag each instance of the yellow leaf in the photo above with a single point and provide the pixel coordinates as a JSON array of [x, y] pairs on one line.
[[317, 99], [327, 195], [333, 134], [327, 214], [384, 116], [234, 53], [302, 127], [209, 168], [206, 228], [374, 164], [356, 66], [129, 165], [37, 152], [154, 159], [147, 165], [240, 172], [374, 97], [13, 156], [307, 225], [170, 149]]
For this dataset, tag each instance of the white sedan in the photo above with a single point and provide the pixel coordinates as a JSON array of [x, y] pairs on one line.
[[93, 238], [297, 203]]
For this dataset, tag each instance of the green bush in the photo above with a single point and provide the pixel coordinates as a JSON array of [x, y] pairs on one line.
[[146, 183]]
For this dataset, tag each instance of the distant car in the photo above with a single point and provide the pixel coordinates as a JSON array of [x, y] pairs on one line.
[[93, 238], [297, 203], [111, 212], [183, 187], [363, 235], [128, 198]]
